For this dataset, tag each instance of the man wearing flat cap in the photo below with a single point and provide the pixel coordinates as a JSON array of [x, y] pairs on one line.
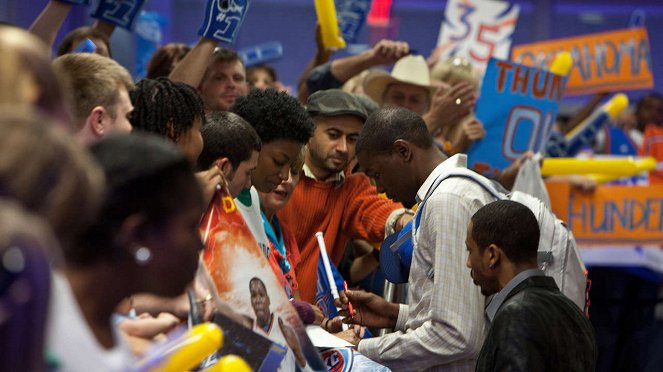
[[342, 206]]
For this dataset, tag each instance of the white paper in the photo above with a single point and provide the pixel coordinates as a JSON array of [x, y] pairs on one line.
[[321, 338]]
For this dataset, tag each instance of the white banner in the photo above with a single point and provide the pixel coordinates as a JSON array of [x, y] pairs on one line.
[[477, 30]]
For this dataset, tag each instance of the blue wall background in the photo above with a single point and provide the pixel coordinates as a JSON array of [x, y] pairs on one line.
[[292, 22]]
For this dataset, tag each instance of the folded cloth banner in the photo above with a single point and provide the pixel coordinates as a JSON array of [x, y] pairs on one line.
[[518, 106], [602, 62], [223, 19], [477, 30], [611, 215]]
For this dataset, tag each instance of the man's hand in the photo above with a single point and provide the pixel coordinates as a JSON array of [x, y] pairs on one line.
[[209, 181], [387, 52], [371, 310], [402, 221], [352, 335], [450, 105], [508, 176]]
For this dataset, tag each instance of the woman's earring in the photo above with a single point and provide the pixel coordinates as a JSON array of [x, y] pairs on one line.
[[142, 255]]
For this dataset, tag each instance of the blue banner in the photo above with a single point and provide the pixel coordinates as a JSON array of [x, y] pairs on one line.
[[517, 107]]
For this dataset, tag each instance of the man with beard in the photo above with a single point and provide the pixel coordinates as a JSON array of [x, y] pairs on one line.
[[343, 206]]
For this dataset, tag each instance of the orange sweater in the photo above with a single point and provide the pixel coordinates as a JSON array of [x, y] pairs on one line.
[[352, 210], [652, 145]]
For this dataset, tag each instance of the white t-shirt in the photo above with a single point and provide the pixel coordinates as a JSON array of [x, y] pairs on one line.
[[253, 218], [71, 341]]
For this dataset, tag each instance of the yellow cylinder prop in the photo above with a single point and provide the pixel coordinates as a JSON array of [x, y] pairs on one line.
[[620, 167], [562, 63], [230, 363], [187, 351], [326, 11]]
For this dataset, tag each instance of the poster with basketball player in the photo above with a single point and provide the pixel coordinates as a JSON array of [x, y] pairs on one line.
[[243, 281]]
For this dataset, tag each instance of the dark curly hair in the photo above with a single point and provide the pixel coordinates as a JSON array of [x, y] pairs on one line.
[[164, 107], [275, 115]]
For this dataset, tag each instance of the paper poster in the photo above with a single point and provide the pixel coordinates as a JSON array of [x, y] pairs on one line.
[[477, 30], [602, 62], [246, 284], [611, 215], [517, 106]]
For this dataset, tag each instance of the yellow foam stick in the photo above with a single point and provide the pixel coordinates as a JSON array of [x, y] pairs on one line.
[[188, 350], [562, 63], [331, 36], [616, 105], [230, 363], [613, 108], [613, 166]]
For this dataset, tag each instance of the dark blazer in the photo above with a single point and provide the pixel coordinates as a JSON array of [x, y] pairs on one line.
[[537, 328]]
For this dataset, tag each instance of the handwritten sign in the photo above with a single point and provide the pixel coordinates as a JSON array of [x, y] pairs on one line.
[[611, 215], [607, 61], [518, 106], [477, 30]]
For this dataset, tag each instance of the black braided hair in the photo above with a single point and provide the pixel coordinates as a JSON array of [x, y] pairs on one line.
[[164, 107]]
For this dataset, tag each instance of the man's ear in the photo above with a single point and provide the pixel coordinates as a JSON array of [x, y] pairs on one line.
[[402, 149], [494, 255], [96, 121], [224, 165]]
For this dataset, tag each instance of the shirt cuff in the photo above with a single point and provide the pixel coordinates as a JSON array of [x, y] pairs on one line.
[[369, 347], [403, 312], [393, 218]]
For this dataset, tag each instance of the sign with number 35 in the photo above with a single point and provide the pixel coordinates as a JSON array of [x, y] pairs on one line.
[[477, 30]]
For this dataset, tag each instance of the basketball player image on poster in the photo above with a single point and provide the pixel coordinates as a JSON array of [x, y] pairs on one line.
[[272, 326]]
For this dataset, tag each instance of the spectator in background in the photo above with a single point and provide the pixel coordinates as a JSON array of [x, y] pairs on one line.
[[146, 231], [533, 326], [233, 146], [74, 38], [26, 246], [27, 77], [170, 109], [326, 199], [165, 59], [99, 87]]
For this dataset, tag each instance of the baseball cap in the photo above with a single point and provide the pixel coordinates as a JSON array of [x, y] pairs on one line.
[[334, 102]]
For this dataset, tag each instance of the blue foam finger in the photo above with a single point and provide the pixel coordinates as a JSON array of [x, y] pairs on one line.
[[86, 46], [122, 13], [223, 19], [261, 53]]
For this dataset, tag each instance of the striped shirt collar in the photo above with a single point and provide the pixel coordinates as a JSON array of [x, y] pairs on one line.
[[458, 160]]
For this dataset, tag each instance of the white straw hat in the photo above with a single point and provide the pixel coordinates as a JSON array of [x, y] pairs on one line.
[[408, 70]]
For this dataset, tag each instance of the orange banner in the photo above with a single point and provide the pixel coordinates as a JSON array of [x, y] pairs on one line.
[[602, 62], [611, 215]]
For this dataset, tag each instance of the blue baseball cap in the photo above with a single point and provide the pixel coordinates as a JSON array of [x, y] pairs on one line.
[[396, 255]]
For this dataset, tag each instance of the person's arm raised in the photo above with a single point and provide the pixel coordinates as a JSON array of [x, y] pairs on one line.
[[191, 68], [49, 21], [385, 52]]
